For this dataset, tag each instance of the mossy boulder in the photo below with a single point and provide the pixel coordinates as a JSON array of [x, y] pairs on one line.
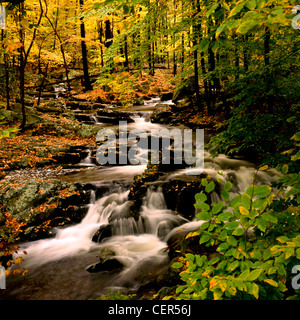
[[41, 205], [87, 131], [185, 89]]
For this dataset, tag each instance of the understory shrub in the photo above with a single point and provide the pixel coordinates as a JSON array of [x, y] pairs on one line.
[[257, 241]]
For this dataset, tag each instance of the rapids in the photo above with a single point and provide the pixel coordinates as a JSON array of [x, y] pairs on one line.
[[58, 265]]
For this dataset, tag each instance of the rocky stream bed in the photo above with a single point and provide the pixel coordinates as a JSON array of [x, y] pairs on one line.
[[90, 228]]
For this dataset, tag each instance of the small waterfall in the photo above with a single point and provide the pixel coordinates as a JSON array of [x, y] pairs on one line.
[[87, 161], [94, 119], [155, 200], [59, 88], [155, 220], [238, 172], [77, 238], [155, 217], [139, 243], [125, 226]]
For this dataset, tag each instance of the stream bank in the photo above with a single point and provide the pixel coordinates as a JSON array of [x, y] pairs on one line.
[[134, 214]]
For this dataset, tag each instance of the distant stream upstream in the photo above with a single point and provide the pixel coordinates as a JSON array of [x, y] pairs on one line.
[[58, 265]]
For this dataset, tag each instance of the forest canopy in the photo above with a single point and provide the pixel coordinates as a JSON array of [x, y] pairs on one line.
[[239, 58]]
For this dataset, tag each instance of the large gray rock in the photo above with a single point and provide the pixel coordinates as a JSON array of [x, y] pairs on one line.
[[37, 203], [185, 89], [161, 116]]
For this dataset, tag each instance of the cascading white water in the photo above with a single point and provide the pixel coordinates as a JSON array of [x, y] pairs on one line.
[[77, 238], [157, 218], [87, 161], [138, 244], [58, 88], [239, 172], [94, 119]]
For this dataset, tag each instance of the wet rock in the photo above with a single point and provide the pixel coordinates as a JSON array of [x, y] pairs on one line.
[[147, 270], [32, 116], [111, 116], [68, 154], [182, 105], [83, 117], [185, 89], [81, 105], [166, 96], [87, 131], [166, 291], [119, 214], [107, 262], [48, 95], [97, 105], [162, 116], [49, 128], [146, 98], [51, 107], [105, 231], [138, 102], [180, 195]]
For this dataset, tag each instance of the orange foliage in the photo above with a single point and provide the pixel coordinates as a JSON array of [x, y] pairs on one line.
[[126, 86], [44, 206], [25, 147], [9, 231]]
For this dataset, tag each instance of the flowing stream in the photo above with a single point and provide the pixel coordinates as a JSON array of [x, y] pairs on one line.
[[58, 265]]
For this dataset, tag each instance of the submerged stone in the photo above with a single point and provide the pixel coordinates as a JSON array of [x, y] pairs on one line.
[[107, 262]]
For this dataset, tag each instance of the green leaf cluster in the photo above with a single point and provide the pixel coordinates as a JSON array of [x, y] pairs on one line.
[[256, 239], [9, 132]]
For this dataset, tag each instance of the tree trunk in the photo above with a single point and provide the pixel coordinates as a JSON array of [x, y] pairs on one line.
[[267, 47], [182, 51], [22, 69], [23, 55], [61, 46], [126, 62], [55, 23], [62, 50], [6, 74], [108, 34], [214, 85], [87, 82], [100, 36], [206, 88], [151, 69], [182, 41], [196, 30], [108, 42], [174, 43], [7, 82]]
